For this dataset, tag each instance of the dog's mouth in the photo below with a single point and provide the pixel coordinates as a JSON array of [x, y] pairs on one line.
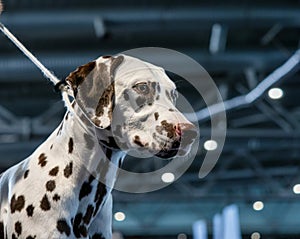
[[169, 152]]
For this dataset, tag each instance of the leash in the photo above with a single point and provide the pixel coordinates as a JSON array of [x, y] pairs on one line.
[[59, 85]]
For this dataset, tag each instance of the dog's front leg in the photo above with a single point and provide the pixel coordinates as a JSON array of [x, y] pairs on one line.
[[102, 224]]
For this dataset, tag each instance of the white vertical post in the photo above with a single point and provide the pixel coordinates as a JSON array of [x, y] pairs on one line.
[[200, 230], [231, 222], [218, 227]]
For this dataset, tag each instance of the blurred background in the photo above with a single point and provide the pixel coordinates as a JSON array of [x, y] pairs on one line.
[[239, 43]]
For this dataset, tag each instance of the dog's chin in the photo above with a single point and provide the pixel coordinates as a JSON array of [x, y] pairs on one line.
[[170, 152]]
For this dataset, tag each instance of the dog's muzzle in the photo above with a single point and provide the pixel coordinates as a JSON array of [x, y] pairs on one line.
[[185, 136]]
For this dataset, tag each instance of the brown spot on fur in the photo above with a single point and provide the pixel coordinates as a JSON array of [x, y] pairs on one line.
[[167, 127], [78, 76], [68, 170], [30, 210], [171, 110], [137, 141], [42, 160], [105, 100], [17, 204], [96, 121], [53, 172], [50, 185], [156, 115], [45, 204], [18, 228], [106, 57]]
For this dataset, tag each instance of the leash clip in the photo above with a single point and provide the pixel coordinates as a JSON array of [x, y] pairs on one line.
[[60, 86]]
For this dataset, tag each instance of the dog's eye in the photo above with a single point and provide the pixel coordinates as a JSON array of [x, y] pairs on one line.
[[142, 88]]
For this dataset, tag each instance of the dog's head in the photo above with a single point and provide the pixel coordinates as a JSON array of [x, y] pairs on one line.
[[135, 100]]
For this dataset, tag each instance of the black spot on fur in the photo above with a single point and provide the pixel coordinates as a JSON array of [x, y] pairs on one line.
[[1, 230], [158, 88], [63, 227], [126, 95], [17, 204], [45, 204], [51, 147], [85, 190], [26, 173], [68, 170], [13, 236], [56, 197], [18, 228], [99, 196], [42, 160], [71, 145], [156, 115], [168, 95], [31, 237], [140, 101], [88, 215], [29, 210], [50, 185], [53, 172], [98, 236], [78, 229]]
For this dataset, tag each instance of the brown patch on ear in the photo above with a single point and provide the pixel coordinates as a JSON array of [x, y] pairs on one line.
[[104, 109], [78, 76], [105, 100]]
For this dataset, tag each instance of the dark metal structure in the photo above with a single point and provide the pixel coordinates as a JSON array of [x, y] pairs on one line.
[[260, 160]]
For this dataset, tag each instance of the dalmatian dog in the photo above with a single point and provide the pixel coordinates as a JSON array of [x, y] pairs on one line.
[[122, 105]]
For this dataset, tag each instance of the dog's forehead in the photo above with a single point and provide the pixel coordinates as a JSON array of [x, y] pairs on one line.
[[133, 70]]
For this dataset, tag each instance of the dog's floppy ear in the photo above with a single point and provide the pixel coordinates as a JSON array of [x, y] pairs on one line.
[[93, 86]]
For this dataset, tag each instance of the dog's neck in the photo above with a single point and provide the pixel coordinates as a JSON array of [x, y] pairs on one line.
[[90, 147]]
